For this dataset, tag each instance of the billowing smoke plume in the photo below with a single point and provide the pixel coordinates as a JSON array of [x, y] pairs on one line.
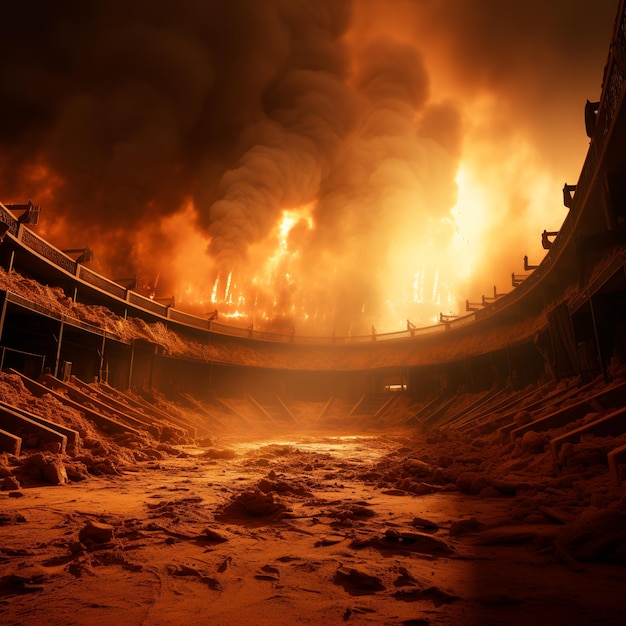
[[306, 112], [324, 164]]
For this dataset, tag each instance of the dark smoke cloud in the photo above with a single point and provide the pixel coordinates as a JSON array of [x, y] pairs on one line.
[[138, 106], [307, 111], [119, 114]]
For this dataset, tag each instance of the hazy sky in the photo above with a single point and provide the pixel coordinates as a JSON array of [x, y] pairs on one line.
[[323, 164]]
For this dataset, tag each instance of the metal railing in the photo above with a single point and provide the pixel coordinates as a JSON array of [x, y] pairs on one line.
[[25, 357], [33, 306], [146, 304], [25, 303], [187, 318], [7, 218], [101, 282], [44, 249], [259, 335]]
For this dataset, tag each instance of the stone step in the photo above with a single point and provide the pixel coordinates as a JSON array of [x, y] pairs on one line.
[[73, 438], [612, 424], [601, 401], [102, 422], [616, 458], [10, 443], [26, 428]]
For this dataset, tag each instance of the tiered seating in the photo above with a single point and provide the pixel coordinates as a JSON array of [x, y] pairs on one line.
[[373, 406], [592, 415], [275, 409], [24, 429], [110, 411], [104, 423]]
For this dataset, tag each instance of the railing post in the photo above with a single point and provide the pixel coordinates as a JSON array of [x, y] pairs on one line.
[[58, 354], [2, 317]]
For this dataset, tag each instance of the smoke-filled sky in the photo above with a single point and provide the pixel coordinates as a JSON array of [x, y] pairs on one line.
[[323, 165]]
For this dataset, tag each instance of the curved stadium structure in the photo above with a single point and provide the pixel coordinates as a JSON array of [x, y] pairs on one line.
[[564, 319], [160, 468]]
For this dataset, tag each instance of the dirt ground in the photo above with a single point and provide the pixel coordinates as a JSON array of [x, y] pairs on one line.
[[309, 530]]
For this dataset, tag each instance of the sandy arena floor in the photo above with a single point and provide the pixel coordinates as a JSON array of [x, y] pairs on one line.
[[287, 532]]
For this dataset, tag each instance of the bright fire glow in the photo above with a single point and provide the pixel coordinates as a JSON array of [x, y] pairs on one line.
[[346, 171]]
